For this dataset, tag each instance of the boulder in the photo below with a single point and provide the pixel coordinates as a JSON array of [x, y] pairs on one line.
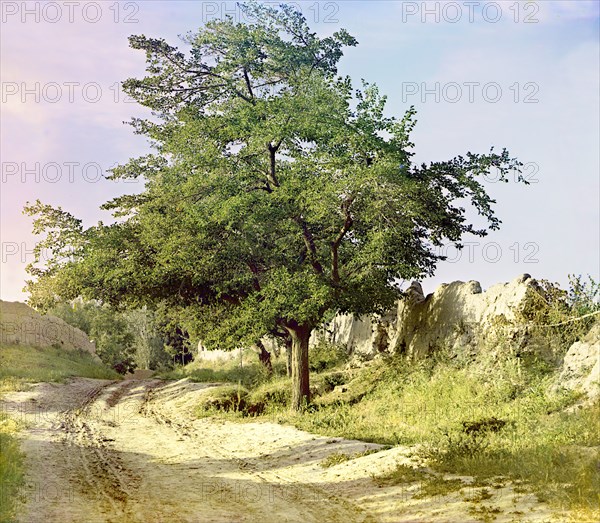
[[20, 324]]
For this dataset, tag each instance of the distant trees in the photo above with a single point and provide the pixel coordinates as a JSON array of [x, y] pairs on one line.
[[127, 340]]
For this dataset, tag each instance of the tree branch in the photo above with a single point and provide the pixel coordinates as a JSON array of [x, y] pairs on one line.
[[255, 272], [309, 241], [248, 84], [272, 175], [335, 244]]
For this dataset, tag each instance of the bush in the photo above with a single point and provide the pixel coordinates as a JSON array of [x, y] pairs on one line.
[[325, 356], [226, 398]]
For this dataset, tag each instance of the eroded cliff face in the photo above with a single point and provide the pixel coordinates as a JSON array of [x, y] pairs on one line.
[[462, 319], [457, 316], [20, 324], [581, 366]]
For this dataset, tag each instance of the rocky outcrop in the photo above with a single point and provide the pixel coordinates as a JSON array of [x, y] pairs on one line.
[[458, 316], [581, 366], [20, 324]]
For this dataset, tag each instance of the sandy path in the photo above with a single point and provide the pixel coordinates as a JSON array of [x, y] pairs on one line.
[[130, 451]]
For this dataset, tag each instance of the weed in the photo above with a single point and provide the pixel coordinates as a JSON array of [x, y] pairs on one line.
[[335, 459], [484, 513]]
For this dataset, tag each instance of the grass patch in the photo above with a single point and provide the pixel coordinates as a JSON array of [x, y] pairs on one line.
[[11, 468], [246, 371], [435, 485], [485, 513], [430, 484], [20, 364], [325, 356], [402, 474], [486, 419], [335, 459], [274, 395], [225, 398]]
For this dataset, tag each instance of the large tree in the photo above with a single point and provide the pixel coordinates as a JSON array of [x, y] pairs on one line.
[[277, 193]]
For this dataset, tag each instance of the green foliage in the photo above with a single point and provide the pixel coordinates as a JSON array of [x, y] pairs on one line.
[[249, 374], [430, 484], [470, 439], [277, 194], [583, 295], [124, 339], [273, 395], [11, 458], [114, 340], [401, 474], [151, 339], [470, 420], [11, 471], [557, 318]]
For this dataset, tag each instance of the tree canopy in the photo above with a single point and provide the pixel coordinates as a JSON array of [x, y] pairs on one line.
[[276, 195]]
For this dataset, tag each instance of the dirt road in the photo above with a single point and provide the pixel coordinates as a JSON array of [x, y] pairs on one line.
[[130, 451]]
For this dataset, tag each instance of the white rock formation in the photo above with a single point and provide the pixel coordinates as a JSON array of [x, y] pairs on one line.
[[457, 316], [20, 324], [581, 366]]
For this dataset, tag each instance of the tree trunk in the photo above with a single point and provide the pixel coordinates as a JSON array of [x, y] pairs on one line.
[[264, 356], [300, 385], [288, 352]]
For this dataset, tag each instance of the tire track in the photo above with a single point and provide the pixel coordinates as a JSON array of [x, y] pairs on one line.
[[151, 406], [101, 468]]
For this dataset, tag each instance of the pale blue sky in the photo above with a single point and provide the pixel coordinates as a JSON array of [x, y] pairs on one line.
[[546, 52]]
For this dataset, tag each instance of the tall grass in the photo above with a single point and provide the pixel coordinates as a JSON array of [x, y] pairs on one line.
[[11, 469], [477, 421]]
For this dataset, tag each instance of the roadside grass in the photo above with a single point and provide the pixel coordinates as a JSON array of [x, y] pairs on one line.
[[487, 419], [19, 366], [11, 468], [245, 370]]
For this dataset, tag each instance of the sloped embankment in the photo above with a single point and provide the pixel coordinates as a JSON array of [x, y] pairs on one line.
[[20, 324]]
